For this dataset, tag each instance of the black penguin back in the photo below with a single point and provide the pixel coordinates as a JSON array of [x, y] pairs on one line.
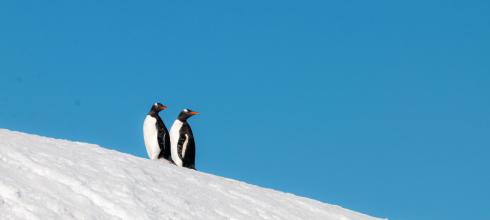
[[163, 139]]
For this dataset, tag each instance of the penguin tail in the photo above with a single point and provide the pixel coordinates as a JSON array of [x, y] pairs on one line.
[[193, 167]]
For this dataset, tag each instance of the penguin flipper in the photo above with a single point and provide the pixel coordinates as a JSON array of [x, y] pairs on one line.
[[180, 145], [164, 144]]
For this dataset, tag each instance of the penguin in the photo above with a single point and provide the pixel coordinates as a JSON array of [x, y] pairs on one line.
[[182, 141], [155, 134]]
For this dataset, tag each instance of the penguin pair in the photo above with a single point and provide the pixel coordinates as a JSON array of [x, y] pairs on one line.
[[178, 146]]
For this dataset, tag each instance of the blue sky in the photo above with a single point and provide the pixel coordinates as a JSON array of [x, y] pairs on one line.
[[382, 107]]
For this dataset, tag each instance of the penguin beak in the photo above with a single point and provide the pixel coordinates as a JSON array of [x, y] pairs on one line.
[[163, 107], [193, 113]]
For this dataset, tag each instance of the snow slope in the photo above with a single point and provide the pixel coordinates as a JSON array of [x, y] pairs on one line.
[[45, 178]]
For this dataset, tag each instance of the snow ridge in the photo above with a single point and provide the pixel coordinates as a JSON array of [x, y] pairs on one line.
[[45, 178]]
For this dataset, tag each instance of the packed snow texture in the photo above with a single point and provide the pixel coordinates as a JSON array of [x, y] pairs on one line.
[[45, 178]]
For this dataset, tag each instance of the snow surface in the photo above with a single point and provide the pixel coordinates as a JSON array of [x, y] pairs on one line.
[[45, 178]]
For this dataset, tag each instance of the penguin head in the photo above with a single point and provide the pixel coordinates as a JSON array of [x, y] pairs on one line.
[[157, 107], [186, 113]]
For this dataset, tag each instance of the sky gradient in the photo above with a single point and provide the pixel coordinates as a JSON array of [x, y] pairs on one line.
[[380, 107]]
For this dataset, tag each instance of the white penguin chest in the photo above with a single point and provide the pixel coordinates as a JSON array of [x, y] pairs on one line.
[[150, 135], [174, 139]]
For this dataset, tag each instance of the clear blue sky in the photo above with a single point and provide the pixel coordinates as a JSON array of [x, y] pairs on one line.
[[379, 106]]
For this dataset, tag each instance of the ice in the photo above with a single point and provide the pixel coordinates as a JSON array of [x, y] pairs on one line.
[[45, 178]]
